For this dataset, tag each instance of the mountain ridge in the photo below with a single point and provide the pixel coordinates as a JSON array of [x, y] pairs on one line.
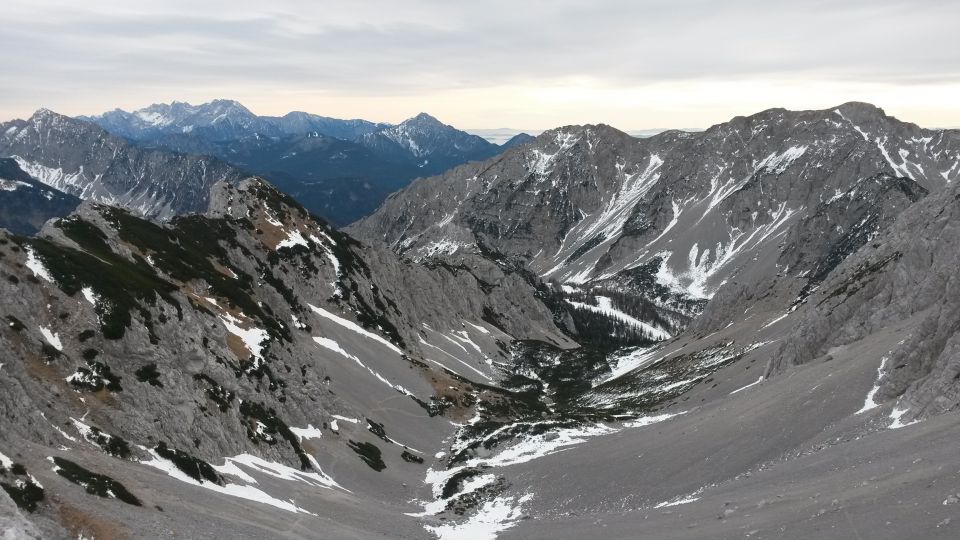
[[362, 163]]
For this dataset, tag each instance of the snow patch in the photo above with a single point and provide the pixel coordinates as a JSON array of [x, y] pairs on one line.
[[354, 327], [252, 337], [247, 492], [895, 415], [685, 500], [294, 238], [494, 517], [869, 403], [89, 295], [335, 347], [308, 432], [5, 462], [742, 388], [630, 361], [36, 265], [52, 338], [775, 321]]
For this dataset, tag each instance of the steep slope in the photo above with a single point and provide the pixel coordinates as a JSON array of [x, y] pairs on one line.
[[816, 421], [819, 421], [901, 285], [25, 204], [254, 352], [83, 160], [738, 204]]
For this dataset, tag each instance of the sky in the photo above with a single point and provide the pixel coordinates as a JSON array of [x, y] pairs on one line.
[[531, 64]]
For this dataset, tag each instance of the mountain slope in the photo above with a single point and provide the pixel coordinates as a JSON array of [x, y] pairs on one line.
[[251, 351], [589, 206], [435, 146], [25, 204], [83, 160]]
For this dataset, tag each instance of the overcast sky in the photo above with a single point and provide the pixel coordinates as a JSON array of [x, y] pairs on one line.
[[530, 64]]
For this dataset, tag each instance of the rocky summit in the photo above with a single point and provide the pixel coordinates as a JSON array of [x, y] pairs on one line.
[[749, 331]]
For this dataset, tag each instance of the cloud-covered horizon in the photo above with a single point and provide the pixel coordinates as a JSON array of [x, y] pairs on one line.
[[491, 63]]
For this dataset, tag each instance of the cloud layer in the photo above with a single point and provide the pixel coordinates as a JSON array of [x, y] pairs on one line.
[[486, 63]]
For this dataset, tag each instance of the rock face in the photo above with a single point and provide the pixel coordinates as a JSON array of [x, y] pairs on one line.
[[582, 204], [26, 204], [83, 160], [339, 169], [904, 277]]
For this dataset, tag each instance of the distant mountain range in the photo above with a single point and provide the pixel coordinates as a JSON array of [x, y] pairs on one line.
[[503, 136], [339, 169]]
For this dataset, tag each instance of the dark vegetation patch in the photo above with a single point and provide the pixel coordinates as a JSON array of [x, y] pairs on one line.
[[15, 324], [111, 444], [643, 391], [123, 286], [216, 392], [95, 376], [369, 453], [193, 467], [378, 430], [602, 331], [148, 373], [94, 483], [568, 373], [20, 486], [184, 251], [264, 425], [587, 246], [641, 282], [469, 501], [49, 352], [455, 483], [861, 275], [411, 458]]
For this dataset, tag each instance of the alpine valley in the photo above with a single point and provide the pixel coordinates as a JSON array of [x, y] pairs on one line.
[[751, 331]]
